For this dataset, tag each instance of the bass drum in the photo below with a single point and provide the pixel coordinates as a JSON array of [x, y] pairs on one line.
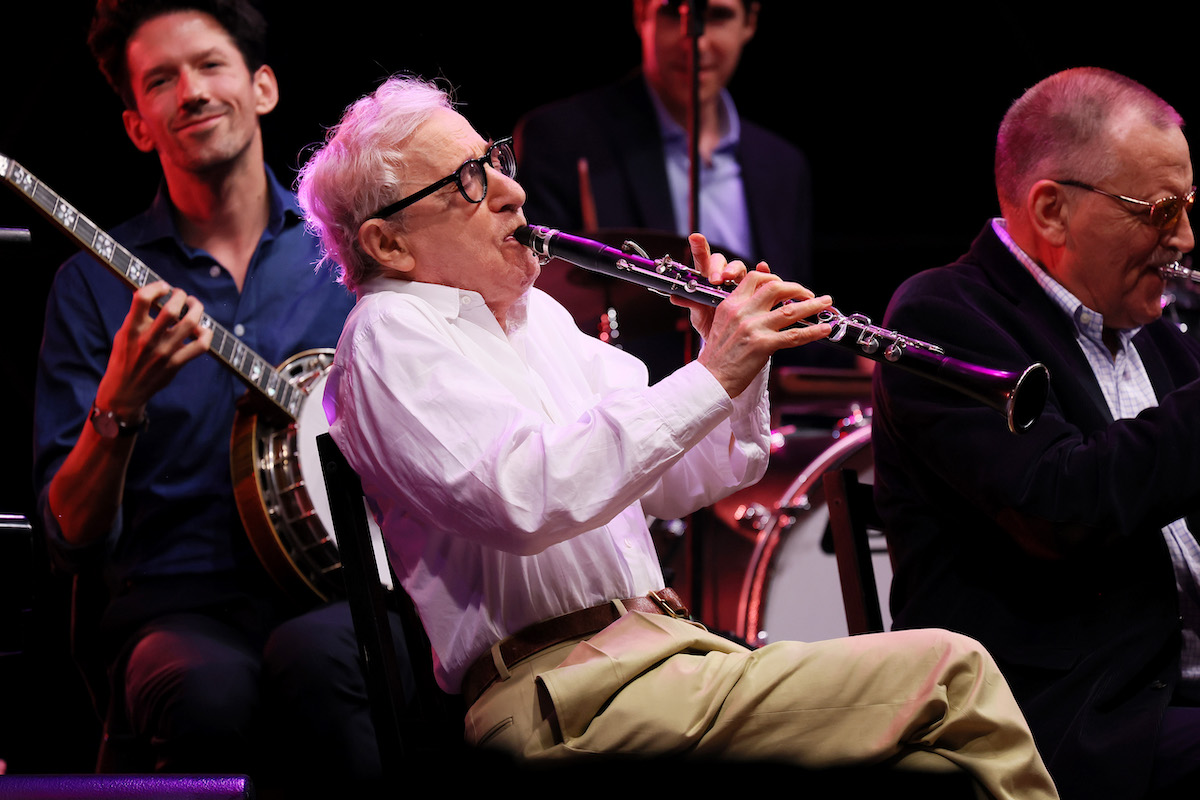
[[791, 591]]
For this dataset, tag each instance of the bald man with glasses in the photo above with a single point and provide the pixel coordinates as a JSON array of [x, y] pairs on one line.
[[1069, 551]]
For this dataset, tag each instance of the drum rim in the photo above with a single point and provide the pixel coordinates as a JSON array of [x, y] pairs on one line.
[[754, 582]]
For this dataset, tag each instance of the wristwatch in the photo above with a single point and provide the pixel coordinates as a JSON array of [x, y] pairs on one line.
[[110, 426]]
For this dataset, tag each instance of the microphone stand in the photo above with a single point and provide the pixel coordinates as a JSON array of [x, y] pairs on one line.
[[692, 15], [15, 235]]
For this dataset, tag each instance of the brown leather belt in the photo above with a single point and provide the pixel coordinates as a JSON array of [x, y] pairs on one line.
[[535, 638]]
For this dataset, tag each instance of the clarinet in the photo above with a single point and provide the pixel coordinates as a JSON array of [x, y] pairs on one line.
[[1018, 396], [1177, 270]]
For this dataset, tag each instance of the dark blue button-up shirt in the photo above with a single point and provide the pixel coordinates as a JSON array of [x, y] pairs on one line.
[[178, 513]]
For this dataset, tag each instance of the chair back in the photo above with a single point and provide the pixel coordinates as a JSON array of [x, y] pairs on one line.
[[430, 720], [852, 515]]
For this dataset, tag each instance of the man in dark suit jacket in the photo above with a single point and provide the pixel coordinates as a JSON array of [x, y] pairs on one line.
[[630, 140], [617, 130], [1061, 549]]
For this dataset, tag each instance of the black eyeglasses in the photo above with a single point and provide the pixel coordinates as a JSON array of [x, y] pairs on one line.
[[1164, 213], [471, 178]]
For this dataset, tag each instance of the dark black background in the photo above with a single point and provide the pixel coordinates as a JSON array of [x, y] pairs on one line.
[[897, 111]]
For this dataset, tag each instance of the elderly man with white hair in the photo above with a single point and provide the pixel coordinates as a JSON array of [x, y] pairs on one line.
[[511, 461]]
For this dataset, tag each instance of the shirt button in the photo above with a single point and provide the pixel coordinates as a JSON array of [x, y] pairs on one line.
[[239, 330], [215, 270]]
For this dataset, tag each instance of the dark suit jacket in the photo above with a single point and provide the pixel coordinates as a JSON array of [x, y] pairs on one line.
[[616, 129], [1045, 546]]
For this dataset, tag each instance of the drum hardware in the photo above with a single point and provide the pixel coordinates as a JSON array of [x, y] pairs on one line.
[[610, 322], [791, 589], [752, 516], [857, 418], [672, 528], [610, 327], [733, 527]]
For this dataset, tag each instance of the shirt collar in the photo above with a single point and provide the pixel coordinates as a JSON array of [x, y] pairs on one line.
[[158, 222], [674, 134], [449, 301], [1088, 323]]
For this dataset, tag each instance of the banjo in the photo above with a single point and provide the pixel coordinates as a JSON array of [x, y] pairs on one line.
[[277, 482]]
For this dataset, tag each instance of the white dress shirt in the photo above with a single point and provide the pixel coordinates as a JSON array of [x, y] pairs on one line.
[[512, 472]]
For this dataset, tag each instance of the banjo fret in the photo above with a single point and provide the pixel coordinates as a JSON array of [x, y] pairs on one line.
[[128, 267]]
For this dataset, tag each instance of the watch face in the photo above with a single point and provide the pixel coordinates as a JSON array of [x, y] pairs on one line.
[[108, 426], [105, 424]]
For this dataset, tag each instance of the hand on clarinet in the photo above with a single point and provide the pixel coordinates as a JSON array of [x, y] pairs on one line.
[[755, 320]]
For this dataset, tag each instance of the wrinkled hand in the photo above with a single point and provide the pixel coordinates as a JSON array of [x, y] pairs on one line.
[[743, 331], [150, 348]]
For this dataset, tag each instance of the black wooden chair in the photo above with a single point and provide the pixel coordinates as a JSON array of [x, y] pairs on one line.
[[429, 722], [852, 514]]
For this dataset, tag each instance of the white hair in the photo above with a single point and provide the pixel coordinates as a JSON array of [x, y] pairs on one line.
[[360, 167]]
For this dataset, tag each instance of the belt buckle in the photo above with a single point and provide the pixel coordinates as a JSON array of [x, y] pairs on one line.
[[680, 613]]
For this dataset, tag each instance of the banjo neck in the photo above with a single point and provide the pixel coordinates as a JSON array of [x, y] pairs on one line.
[[254, 370]]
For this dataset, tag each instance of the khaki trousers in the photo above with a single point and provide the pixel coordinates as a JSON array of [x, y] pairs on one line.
[[650, 685]]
